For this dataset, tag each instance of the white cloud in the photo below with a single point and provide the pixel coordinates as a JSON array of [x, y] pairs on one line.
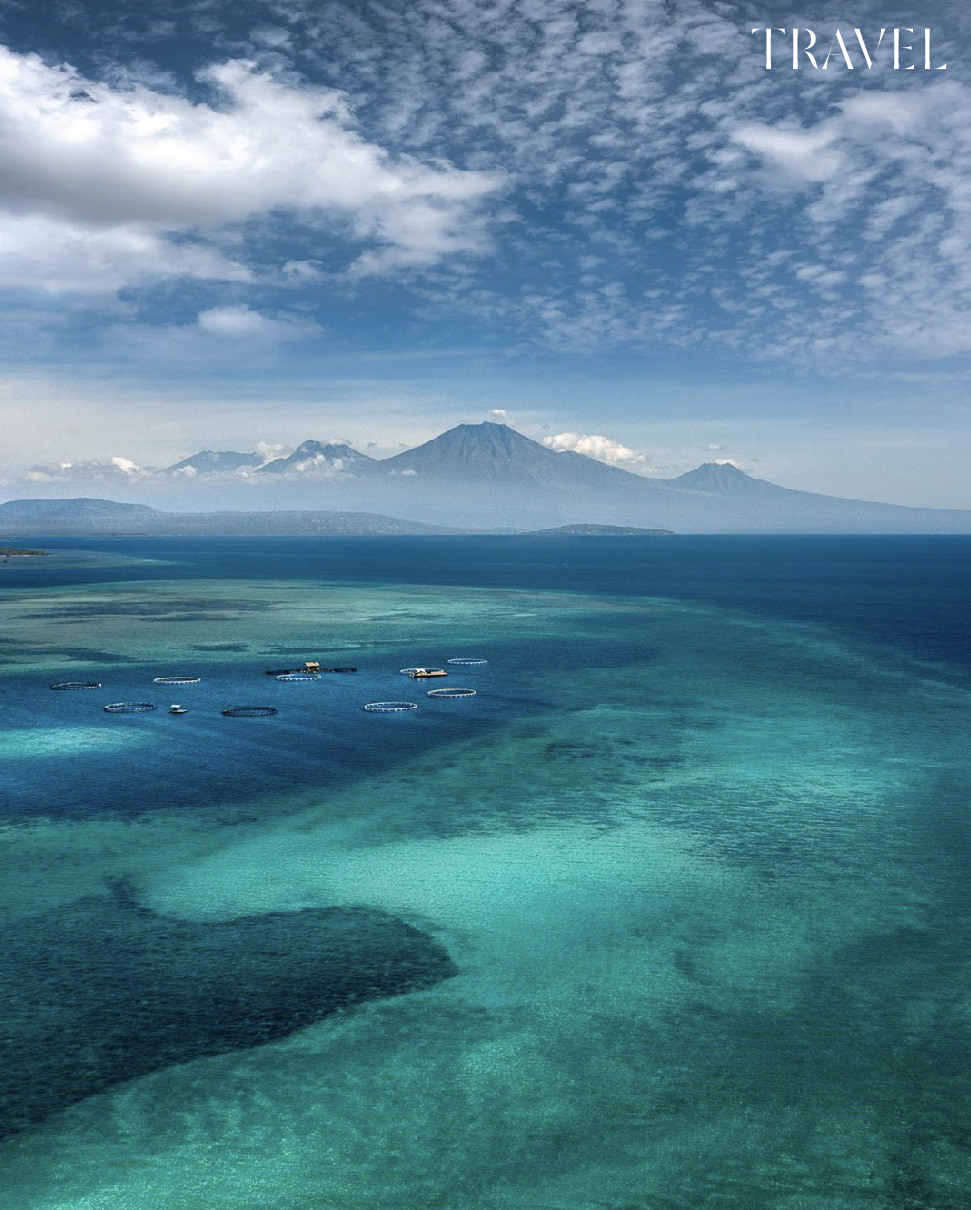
[[268, 451], [805, 154], [57, 255], [601, 448], [105, 173], [242, 323], [499, 412], [115, 470]]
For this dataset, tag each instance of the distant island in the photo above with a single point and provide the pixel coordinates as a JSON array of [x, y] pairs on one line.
[[111, 519], [21, 552], [598, 531]]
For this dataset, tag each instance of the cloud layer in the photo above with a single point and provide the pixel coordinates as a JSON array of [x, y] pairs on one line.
[[97, 177]]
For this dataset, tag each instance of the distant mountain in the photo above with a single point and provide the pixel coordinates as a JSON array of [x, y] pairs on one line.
[[495, 454], [209, 462], [718, 477], [311, 454], [109, 517], [488, 473], [488, 477]]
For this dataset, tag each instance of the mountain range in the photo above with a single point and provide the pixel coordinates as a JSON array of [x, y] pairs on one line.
[[490, 477]]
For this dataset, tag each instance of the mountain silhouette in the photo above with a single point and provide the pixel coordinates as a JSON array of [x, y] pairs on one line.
[[718, 477], [495, 453], [310, 455], [485, 477], [207, 462]]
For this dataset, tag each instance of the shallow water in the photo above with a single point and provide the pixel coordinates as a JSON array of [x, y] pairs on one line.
[[698, 850]]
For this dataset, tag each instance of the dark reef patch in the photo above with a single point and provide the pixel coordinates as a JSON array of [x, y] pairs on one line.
[[200, 607], [92, 655], [101, 991]]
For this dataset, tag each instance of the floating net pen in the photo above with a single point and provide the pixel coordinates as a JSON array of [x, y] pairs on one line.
[[451, 692], [176, 680], [298, 676], [77, 685], [467, 662], [390, 707], [250, 711], [129, 707]]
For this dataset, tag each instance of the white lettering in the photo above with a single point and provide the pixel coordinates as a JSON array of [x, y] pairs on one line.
[[805, 49], [768, 43], [897, 48], [845, 53], [927, 53], [866, 53], [839, 46]]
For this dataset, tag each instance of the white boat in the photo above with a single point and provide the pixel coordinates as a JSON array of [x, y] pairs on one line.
[[177, 709]]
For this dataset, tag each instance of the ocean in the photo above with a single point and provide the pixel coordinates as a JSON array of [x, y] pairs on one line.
[[672, 913]]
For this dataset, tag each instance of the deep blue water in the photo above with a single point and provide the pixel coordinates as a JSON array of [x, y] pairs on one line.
[[912, 594], [673, 913]]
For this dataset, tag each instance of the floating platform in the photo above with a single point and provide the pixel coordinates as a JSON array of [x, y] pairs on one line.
[[278, 672]]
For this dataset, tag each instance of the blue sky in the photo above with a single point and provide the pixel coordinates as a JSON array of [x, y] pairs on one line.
[[226, 224]]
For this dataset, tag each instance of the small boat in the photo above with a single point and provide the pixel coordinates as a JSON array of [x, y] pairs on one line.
[[278, 672], [177, 709], [421, 674]]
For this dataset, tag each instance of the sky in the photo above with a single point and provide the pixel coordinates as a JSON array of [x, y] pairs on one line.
[[238, 225]]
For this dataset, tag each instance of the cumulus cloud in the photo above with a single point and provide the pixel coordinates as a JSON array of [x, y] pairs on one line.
[[127, 166], [602, 448], [269, 450], [243, 323], [56, 255], [114, 470]]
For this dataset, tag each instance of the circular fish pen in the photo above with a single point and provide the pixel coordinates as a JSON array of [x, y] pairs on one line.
[[176, 680], [129, 707], [250, 711], [298, 676], [390, 707], [451, 692], [466, 662], [77, 685]]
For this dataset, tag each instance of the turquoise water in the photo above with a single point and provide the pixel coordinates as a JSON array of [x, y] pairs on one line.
[[673, 913]]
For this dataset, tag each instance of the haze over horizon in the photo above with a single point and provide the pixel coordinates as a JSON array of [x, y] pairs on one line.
[[485, 477], [239, 226]]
